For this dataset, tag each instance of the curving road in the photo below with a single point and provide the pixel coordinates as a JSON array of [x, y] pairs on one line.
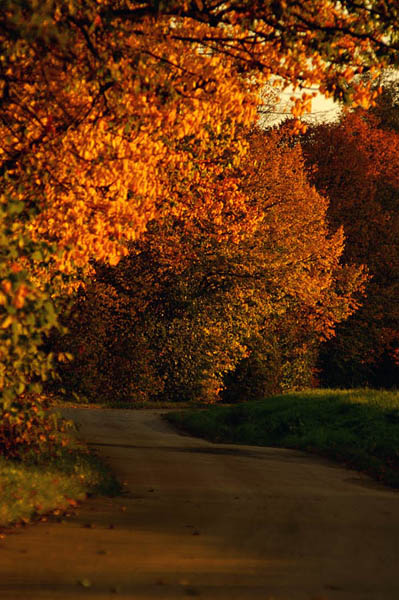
[[209, 521]]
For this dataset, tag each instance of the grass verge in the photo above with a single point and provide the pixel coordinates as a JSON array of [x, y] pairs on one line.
[[359, 428], [59, 402], [29, 490]]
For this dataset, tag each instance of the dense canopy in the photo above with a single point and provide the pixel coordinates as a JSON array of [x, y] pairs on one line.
[[115, 115]]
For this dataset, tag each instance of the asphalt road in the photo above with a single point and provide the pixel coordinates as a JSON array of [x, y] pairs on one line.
[[212, 521]]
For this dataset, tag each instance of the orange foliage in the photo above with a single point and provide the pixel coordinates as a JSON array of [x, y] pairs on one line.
[[302, 254], [304, 286], [114, 113], [185, 308], [105, 158]]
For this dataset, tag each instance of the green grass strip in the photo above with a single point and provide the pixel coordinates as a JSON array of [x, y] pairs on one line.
[[357, 427]]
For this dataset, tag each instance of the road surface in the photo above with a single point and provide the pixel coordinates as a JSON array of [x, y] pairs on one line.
[[212, 521]]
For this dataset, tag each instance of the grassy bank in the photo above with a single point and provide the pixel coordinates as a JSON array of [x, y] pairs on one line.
[[357, 427], [51, 484]]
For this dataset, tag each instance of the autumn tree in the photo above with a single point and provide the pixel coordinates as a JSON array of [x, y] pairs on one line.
[[114, 114], [183, 310], [356, 163], [146, 330], [307, 288]]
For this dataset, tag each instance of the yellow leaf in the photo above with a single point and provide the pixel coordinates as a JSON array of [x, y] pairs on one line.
[[7, 322]]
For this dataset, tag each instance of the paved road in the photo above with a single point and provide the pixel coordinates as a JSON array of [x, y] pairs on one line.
[[209, 521]]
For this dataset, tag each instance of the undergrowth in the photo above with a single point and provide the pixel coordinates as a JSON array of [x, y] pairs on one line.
[[38, 484]]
